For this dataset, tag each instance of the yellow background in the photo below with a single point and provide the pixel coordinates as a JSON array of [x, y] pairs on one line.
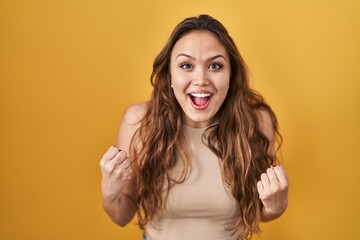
[[69, 69]]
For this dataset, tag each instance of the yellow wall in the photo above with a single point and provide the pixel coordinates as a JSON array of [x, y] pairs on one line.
[[68, 69]]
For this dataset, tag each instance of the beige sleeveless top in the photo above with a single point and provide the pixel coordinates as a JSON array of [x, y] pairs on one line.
[[200, 208]]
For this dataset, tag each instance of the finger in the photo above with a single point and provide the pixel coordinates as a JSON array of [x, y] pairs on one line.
[[281, 174], [272, 176], [119, 158], [265, 180], [260, 187], [123, 173], [111, 153], [127, 164], [124, 164]]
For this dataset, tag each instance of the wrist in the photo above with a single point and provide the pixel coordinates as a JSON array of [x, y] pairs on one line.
[[268, 214], [108, 195]]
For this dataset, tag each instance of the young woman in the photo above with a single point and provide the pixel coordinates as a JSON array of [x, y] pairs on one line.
[[197, 160]]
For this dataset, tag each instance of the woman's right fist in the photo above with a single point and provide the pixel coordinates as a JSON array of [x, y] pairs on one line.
[[116, 171]]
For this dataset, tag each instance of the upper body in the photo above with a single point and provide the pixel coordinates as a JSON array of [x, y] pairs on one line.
[[204, 139], [202, 206]]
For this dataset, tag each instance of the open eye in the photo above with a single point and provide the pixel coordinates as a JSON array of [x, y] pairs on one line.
[[215, 66], [186, 66]]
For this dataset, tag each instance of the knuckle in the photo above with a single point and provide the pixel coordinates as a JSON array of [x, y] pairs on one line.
[[122, 154], [120, 159], [107, 154], [109, 167], [270, 171], [265, 195], [119, 172], [102, 163], [284, 187], [275, 188]]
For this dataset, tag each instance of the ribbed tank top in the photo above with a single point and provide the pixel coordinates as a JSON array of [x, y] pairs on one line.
[[201, 207]]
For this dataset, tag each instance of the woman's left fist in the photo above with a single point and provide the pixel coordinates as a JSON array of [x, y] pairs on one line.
[[273, 192]]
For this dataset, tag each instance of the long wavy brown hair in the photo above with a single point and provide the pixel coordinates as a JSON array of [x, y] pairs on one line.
[[235, 137]]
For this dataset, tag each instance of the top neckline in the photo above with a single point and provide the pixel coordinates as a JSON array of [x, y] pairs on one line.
[[189, 129], [193, 129]]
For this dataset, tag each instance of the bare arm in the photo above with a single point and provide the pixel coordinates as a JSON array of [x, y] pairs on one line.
[[117, 184], [273, 185]]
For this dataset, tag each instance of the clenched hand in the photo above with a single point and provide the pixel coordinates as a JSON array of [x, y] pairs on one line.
[[273, 192], [116, 171]]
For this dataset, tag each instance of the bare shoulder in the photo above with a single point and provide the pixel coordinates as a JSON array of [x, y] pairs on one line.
[[130, 124], [266, 123], [264, 117], [135, 113]]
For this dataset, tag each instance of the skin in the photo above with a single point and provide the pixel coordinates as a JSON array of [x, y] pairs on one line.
[[273, 192], [273, 185], [118, 191], [199, 63]]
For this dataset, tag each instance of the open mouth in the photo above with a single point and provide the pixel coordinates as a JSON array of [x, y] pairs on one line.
[[200, 101]]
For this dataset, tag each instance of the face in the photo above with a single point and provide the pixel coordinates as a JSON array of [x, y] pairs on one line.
[[200, 74]]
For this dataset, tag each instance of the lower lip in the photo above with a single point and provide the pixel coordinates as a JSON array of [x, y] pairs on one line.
[[196, 107]]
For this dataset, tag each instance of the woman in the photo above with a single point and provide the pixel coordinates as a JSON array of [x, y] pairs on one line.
[[201, 151]]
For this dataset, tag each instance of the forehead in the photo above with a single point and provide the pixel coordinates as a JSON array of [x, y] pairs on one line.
[[199, 43]]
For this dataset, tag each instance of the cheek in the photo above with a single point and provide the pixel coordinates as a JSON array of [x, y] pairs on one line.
[[179, 88], [179, 82], [223, 84], [223, 90]]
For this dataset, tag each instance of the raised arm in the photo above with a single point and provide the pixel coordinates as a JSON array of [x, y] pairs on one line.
[[273, 185], [117, 183]]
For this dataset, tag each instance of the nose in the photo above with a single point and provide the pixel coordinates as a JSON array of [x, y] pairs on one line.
[[200, 77]]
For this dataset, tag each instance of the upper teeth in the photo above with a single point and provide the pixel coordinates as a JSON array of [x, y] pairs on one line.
[[200, 95]]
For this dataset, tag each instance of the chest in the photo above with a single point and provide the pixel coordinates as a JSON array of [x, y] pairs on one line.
[[203, 193]]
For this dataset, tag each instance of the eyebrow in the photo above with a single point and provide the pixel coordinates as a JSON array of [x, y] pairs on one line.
[[189, 56]]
